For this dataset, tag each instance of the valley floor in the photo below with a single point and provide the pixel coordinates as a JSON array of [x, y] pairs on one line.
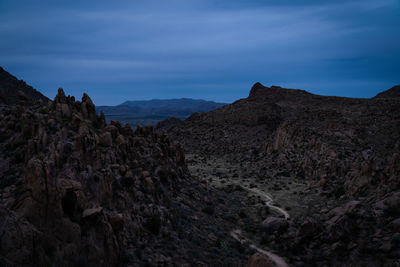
[[254, 194]]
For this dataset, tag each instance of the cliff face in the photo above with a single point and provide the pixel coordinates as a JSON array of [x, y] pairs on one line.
[[355, 143]]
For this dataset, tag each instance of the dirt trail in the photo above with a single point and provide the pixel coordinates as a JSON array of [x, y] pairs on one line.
[[208, 171], [279, 261], [268, 201], [237, 234]]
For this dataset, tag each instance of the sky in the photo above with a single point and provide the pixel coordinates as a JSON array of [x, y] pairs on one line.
[[215, 50]]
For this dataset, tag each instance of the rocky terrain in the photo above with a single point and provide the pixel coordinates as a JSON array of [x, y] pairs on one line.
[[75, 191], [333, 163], [281, 178]]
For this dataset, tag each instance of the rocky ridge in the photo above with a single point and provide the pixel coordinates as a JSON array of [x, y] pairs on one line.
[[392, 92]]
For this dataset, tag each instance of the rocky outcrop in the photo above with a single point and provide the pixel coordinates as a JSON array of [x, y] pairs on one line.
[[72, 187], [340, 147], [274, 224], [258, 260], [275, 93], [76, 191]]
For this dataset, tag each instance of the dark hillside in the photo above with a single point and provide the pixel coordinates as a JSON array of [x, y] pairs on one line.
[[12, 90]]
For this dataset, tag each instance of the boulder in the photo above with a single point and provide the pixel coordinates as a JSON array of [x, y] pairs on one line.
[[349, 208], [308, 229], [274, 224], [91, 212], [106, 139], [258, 260]]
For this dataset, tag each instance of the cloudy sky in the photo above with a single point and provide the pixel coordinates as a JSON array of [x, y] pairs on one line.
[[216, 50]]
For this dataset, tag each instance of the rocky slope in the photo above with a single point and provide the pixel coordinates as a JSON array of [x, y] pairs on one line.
[[221, 131], [11, 89], [392, 92], [75, 191], [344, 149]]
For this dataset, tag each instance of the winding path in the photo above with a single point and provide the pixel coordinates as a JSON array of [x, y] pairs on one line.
[[268, 201], [237, 234]]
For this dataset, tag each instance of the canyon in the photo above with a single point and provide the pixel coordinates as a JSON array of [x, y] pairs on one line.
[[280, 178]]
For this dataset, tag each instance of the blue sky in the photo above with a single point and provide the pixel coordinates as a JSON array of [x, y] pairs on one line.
[[215, 50]]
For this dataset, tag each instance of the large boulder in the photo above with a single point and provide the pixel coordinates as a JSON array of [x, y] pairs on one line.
[[309, 229]]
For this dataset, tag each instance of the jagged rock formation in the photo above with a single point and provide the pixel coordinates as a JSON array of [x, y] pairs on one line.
[[345, 149], [75, 191], [13, 90]]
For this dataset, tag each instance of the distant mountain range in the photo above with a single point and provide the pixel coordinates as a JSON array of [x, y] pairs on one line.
[[145, 112]]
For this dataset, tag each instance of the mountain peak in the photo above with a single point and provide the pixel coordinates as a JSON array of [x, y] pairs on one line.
[[275, 93], [258, 89], [60, 97]]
